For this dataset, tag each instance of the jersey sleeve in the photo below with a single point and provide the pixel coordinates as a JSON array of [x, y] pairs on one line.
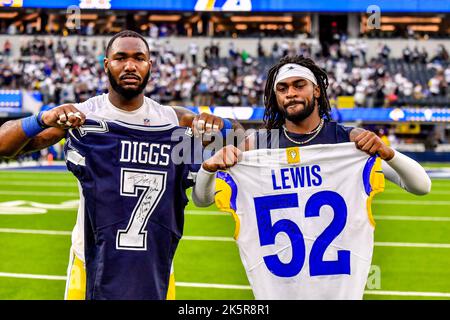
[[75, 151], [192, 159], [343, 133]]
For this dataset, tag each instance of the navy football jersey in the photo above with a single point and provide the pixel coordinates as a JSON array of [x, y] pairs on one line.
[[133, 180], [332, 132]]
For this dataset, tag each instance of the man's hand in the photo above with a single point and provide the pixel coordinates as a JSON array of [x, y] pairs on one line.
[[65, 116], [225, 158], [370, 143], [206, 123]]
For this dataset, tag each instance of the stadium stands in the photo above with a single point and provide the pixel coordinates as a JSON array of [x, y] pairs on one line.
[[66, 73]]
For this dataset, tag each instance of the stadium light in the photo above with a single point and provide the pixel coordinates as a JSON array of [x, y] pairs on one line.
[[8, 15], [172, 18], [260, 19]]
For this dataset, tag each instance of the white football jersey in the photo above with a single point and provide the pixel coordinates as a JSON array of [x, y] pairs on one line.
[[100, 108], [304, 225]]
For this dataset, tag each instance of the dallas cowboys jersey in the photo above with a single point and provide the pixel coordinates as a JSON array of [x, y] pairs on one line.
[[100, 108], [133, 180], [303, 219]]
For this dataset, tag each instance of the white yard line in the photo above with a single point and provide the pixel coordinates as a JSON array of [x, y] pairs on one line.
[[212, 285], [413, 245], [29, 231], [206, 213], [377, 217], [229, 239], [414, 202], [37, 193], [38, 183], [200, 238], [412, 218], [408, 293], [31, 276], [233, 286], [405, 192]]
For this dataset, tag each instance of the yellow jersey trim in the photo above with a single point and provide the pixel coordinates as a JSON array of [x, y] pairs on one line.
[[223, 199], [377, 185], [77, 280]]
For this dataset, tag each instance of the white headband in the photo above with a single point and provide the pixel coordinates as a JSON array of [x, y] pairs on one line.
[[294, 70]]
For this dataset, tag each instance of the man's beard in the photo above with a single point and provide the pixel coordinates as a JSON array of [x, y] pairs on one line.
[[302, 114], [127, 93]]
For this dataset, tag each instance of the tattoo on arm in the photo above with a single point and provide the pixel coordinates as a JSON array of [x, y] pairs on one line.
[[185, 116], [44, 140]]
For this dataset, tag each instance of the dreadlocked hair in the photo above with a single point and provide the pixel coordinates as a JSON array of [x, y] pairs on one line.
[[273, 118]]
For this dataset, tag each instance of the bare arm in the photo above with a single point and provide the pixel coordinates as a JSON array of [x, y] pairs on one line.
[[202, 123], [14, 141], [44, 140]]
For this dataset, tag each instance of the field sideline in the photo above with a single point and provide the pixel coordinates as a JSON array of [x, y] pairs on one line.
[[38, 211]]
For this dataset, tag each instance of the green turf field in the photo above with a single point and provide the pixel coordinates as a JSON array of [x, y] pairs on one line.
[[412, 250]]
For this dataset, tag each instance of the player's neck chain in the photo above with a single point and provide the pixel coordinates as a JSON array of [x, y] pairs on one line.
[[314, 133]]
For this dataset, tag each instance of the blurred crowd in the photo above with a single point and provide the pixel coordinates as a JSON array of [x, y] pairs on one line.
[[232, 78]]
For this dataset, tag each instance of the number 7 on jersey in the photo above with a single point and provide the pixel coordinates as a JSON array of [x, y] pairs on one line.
[[152, 185]]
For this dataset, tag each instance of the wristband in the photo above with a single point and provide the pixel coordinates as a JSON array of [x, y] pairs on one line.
[[227, 124], [40, 122], [31, 127]]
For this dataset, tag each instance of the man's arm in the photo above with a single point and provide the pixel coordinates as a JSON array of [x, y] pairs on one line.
[[397, 168], [205, 185], [204, 122], [12, 139], [15, 137], [44, 140], [14, 142]]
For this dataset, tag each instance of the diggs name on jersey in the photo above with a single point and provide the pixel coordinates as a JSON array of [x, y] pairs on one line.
[[144, 153], [296, 177]]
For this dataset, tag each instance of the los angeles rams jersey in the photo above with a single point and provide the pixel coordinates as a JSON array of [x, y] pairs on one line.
[[304, 226], [133, 180]]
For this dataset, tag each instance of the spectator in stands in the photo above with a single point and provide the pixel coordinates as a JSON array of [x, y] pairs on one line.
[[437, 84], [424, 56], [442, 55], [277, 51], [46, 66], [407, 54], [431, 141], [362, 48], [12, 29], [193, 51], [261, 53], [447, 78], [360, 95], [384, 52], [7, 48], [418, 91], [214, 50], [6, 78]]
